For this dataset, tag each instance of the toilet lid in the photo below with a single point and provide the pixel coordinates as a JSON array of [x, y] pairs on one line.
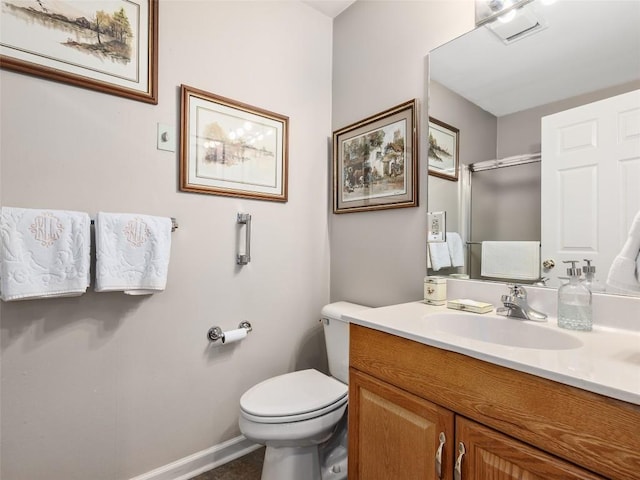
[[293, 394]]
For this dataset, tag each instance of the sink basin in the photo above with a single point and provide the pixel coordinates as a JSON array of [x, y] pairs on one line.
[[501, 330]]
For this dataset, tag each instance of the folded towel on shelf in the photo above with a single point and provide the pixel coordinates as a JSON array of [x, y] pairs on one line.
[[132, 253], [439, 255], [624, 274], [518, 260], [456, 250], [44, 253]]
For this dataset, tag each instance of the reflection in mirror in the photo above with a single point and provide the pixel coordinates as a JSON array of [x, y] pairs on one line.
[[489, 10], [495, 85]]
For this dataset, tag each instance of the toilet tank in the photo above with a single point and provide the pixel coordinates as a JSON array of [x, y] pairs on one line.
[[336, 335]]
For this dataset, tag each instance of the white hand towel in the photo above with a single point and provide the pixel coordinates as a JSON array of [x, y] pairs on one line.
[[456, 250], [518, 260], [439, 255], [44, 253], [132, 253], [625, 269]]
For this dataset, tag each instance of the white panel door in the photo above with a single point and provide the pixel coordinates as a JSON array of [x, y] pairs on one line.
[[590, 182]]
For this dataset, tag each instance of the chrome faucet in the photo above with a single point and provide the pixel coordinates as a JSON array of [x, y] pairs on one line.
[[517, 306]]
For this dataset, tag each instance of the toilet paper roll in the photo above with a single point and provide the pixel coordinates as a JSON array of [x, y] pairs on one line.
[[234, 335]]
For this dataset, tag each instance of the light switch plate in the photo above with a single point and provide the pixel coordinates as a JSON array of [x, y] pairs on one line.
[[166, 138]]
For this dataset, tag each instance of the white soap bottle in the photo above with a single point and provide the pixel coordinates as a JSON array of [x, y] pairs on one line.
[[590, 281], [574, 302]]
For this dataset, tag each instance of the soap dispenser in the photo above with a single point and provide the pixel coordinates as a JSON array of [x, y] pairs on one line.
[[574, 302], [590, 281]]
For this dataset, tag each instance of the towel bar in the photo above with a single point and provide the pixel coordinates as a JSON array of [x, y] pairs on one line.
[[174, 223]]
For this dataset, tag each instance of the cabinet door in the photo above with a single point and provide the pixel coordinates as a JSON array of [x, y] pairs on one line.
[[490, 455], [396, 435]]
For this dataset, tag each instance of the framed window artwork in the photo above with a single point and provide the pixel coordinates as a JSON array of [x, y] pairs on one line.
[[230, 148]]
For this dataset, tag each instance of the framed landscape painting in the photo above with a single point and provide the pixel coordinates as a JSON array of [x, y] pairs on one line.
[[443, 150], [105, 45], [375, 162], [230, 148]]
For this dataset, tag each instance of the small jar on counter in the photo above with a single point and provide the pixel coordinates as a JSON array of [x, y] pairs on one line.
[[435, 290]]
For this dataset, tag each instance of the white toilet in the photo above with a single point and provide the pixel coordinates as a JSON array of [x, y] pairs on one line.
[[301, 417]]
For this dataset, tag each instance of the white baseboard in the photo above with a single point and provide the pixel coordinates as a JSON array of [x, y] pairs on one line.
[[203, 461]]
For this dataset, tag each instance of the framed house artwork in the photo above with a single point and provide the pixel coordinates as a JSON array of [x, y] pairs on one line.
[[375, 162], [230, 148], [106, 45], [443, 150]]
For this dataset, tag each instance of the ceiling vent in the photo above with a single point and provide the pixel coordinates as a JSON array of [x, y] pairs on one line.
[[524, 24]]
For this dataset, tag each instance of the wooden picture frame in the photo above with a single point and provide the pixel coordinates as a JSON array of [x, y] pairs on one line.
[[232, 149], [107, 46], [375, 161], [444, 158]]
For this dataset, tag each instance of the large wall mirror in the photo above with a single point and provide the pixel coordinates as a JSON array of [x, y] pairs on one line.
[[505, 89]]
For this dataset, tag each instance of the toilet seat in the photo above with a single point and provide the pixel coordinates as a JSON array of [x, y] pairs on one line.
[[293, 397]]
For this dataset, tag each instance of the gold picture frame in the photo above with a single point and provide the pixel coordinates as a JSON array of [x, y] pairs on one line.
[[107, 46], [444, 150], [232, 149], [375, 161]]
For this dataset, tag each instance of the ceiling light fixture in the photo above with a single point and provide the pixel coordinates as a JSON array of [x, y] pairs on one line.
[[507, 17], [504, 10]]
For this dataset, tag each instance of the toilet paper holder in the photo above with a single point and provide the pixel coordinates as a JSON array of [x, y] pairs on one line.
[[215, 333]]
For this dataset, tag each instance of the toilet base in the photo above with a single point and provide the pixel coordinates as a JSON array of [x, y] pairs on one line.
[[325, 461], [333, 453], [300, 463]]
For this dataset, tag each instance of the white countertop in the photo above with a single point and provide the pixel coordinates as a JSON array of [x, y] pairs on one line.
[[607, 362]]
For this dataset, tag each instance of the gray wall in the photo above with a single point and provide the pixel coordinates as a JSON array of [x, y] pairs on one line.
[[519, 133], [108, 386], [506, 203], [379, 258]]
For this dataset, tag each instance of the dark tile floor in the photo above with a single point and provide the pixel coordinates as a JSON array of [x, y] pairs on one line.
[[248, 467]]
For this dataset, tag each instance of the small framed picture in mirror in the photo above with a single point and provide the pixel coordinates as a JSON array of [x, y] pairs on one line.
[[443, 150]]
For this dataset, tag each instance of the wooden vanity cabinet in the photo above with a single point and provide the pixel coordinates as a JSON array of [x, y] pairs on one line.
[[513, 425]]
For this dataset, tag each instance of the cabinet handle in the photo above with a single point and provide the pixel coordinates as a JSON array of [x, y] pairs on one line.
[[458, 470], [443, 440]]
